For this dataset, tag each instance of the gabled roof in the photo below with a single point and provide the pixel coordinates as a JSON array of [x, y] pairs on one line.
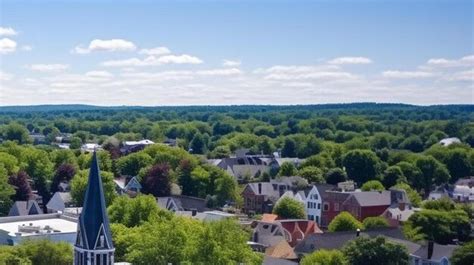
[[323, 188], [93, 221], [21, 208], [371, 198], [439, 251], [59, 201], [182, 203]]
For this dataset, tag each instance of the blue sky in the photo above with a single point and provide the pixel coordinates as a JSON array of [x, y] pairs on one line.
[[236, 52]]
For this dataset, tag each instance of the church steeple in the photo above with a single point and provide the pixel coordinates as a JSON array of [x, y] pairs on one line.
[[94, 241]]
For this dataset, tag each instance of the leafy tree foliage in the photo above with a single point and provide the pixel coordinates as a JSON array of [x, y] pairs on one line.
[[22, 186], [325, 257], [131, 164], [312, 174], [64, 172], [33, 252], [288, 208], [361, 165], [375, 251], [157, 181], [287, 169], [432, 172], [344, 221], [136, 211], [375, 222], [463, 255], [16, 132], [372, 185], [6, 192], [335, 175], [79, 185], [392, 176]]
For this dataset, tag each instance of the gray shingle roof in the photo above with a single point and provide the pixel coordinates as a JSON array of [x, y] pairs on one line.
[[372, 198], [439, 251], [21, 208]]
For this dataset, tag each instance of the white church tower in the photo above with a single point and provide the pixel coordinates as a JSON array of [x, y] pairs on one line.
[[94, 241]]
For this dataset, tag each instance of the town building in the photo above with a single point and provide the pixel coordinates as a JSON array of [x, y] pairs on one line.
[[22, 208], [367, 203], [134, 146], [94, 244], [55, 227], [59, 202], [260, 197], [176, 203]]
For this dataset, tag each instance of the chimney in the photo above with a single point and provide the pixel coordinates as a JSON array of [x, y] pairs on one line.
[[358, 232], [193, 212], [259, 188], [430, 248], [255, 237]]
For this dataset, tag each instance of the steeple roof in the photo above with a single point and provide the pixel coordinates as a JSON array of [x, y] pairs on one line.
[[93, 227]]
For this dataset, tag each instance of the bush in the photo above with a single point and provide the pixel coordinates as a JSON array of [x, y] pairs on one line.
[[288, 208], [344, 221]]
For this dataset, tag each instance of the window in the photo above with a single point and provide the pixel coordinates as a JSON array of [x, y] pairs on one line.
[[336, 206], [309, 204], [319, 206], [317, 219], [326, 206]]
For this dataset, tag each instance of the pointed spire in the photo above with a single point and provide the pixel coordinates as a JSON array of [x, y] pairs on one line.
[[93, 228]]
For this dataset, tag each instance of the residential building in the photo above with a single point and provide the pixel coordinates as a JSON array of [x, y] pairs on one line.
[[127, 185], [433, 254], [55, 227], [400, 208], [38, 138], [260, 197], [59, 202], [134, 146], [90, 147], [464, 190], [94, 244], [332, 205], [439, 193], [177, 203], [449, 141], [367, 203], [291, 230], [22, 208]]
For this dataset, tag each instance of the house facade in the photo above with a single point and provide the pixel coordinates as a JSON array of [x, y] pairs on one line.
[[260, 197], [332, 205], [367, 204]]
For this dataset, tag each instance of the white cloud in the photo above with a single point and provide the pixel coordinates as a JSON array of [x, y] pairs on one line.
[[462, 76], [406, 74], [179, 59], [26, 48], [48, 67], [155, 51], [231, 63], [442, 62], [7, 31], [220, 72], [305, 72], [112, 45], [5, 76], [99, 74], [7, 45], [152, 60], [350, 60]]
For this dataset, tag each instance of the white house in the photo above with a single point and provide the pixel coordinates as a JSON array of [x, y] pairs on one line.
[[312, 200]]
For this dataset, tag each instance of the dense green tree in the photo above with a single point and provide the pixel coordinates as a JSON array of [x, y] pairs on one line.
[[372, 185], [458, 164], [392, 176], [325, 257], [9, 162], [64, 172], [287, 169], [288, 208], [136, 211], [412, 143], [463, 255], [361, 165], [16, 132], [79, 185], [312, 174], [6, 192], [432, 172], [442, 226], [375, 222], [289, 148], [197, 144], [58, 253], [412, 173], [375, 251], [131, 164], [335, 175], [344, 221]]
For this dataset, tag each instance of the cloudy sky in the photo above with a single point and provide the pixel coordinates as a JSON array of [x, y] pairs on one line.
[[236, 52]]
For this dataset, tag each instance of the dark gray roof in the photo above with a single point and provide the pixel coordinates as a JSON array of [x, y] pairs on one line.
[[22, 208], [275, 261], [182, 202], [335, 240], [93, 220], [372, 198], [323, 188], [439, 251]]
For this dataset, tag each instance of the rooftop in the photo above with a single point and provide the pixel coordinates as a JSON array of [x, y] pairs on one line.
[[37, 224]]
